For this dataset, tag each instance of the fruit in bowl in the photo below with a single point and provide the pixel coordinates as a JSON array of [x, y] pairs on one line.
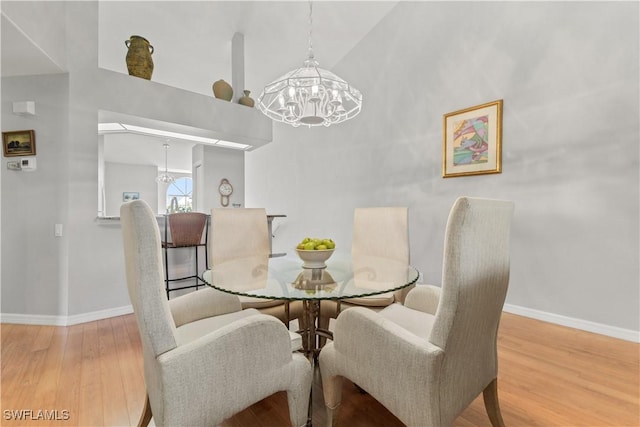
[[315, 244], [314, 252]]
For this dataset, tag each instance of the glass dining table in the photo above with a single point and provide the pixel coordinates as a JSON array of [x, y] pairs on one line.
[[284, 278]]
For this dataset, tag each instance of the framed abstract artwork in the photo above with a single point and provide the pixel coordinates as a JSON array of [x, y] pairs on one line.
[[473, 141]]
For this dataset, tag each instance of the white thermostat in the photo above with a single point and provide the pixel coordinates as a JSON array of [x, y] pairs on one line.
[[28, 163]]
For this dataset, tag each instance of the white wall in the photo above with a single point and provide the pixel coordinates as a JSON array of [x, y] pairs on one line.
[[32, 202], [120, 178], [95, 275], [218, 163], [42, 22], [81, 275], [568, 74]]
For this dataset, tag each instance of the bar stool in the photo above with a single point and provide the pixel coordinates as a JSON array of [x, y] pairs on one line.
[[185, 230]]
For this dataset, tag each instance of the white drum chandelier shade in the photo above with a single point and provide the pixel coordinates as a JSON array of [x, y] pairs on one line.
[[310, 95]]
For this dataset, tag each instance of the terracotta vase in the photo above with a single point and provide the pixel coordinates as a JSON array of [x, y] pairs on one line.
[[139, 61], [222, 90], [246, 99]]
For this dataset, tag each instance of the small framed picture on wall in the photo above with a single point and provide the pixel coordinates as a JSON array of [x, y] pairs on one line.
[[19, 143], [128, 196], [473, 141]]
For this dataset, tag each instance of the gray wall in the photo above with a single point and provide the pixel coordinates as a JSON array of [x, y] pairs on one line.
[[568, 75], [32, 202], [121, 177], [41, 20], [223, 163], [81, 274]]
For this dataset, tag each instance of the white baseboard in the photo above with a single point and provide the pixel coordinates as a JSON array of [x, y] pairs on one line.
[[571, 322], [39, 319], [584, 325]]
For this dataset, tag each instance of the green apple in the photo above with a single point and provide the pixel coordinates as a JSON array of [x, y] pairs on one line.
[[310, 244], [328, 243]]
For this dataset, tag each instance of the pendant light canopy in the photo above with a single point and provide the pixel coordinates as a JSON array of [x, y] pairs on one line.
[[165, 178], [310, 95]]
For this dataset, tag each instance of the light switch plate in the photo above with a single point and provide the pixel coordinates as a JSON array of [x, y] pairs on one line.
[[14, 166]]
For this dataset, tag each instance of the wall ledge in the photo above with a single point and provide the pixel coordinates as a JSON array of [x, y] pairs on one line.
[[571, 322], [156, 105]]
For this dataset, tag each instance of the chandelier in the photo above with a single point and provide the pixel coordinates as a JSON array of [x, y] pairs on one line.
[[165, 178], [310, 95]]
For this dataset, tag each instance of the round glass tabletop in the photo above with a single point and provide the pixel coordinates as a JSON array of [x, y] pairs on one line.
[[284, 278]]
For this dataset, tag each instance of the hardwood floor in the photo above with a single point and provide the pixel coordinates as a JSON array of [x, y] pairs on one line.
[[91, 375]]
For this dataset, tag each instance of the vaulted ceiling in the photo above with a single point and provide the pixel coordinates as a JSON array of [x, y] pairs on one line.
[[192, 39], [192, 43]]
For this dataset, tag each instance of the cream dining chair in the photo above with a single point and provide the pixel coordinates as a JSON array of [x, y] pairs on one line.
[[238, 233], [377, 232], [205, 358], [428, 359]]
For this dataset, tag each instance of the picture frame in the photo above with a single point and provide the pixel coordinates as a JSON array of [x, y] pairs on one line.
[[19, 143], [128, 196], [472, 143]]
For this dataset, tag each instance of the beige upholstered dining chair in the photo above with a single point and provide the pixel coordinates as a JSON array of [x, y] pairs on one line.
[[428, 359], [238, 233], [377, 232], [205, 358]]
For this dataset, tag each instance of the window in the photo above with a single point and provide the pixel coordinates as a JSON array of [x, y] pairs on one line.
[[179, 195]]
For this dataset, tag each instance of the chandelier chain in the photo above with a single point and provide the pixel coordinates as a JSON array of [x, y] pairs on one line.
[[310, 29]]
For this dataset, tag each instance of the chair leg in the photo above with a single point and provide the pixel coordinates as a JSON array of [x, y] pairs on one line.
[[332, 415], [196, 272], [332, 393], [166, 270], [491, 404], [145, 417]]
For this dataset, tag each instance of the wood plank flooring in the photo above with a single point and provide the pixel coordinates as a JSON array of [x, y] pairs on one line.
[[91, 375]]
